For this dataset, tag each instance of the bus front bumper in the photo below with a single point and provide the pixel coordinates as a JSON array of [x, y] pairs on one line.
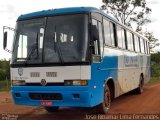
[[71, 96]]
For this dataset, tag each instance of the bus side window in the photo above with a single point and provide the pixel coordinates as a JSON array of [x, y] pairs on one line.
[[145, 51], [136, 41], [139, 45], [108, 33], [148, 48], [133, 39], [100, 37], [129, 41], [142, 45], [94, 22], [113, 34], [121, 38], [96, 50], [125, 39]]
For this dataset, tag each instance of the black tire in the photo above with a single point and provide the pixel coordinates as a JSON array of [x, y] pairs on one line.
[[105, 106], [139, 90], [51, 109]]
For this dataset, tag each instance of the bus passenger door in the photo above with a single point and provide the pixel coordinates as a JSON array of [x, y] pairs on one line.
[[97, 75]]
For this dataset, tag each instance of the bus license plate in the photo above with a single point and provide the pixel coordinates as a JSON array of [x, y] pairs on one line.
[[46, 103]]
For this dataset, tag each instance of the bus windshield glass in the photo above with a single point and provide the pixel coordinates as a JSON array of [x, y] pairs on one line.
[[57, 39]]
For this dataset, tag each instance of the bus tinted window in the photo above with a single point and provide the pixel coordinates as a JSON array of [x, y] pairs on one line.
[[145, 50], [112, 34], [96, 45], [136, 41], [123, 38], [148, 47], [142, 45], [120, 37], [129, 40], [108, 33], [100, 37], [94, 22]]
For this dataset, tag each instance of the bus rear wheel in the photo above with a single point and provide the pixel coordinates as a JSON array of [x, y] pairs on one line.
[[51, 109], [105, 106], [139, 90]]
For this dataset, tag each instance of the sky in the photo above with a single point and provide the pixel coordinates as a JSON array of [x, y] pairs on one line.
[[11, 9]]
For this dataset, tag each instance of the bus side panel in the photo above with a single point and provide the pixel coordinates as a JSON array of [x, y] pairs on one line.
[[148, 70], [100, 72], [145, 67], [131, 70]]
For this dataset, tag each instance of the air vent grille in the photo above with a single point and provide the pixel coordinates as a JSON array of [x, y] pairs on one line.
[[35, 74], [51, 74]]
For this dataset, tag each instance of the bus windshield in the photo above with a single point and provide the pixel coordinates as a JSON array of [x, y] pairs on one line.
[[57, 39]]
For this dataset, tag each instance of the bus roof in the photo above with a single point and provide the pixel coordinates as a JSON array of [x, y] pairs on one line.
[[58, 12]]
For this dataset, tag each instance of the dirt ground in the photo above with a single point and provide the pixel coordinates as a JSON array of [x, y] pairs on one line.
[[125, 107]]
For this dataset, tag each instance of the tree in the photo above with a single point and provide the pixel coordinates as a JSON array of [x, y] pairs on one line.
[[131, 11], [128, 11], [155, 57], [153, 42], [155, 64], [4, 69]]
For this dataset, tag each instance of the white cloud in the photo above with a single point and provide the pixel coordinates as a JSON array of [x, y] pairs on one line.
[[152, 2]]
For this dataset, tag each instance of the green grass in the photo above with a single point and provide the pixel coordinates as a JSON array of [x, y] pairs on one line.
[[3, 85], [154, 80]]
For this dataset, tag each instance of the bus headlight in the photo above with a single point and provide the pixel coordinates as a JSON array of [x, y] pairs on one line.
[[75, 82], [18, 82]]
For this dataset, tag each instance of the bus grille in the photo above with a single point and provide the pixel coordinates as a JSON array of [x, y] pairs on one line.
[[35, 74], [51, 74], [48, 84], [45, 96]]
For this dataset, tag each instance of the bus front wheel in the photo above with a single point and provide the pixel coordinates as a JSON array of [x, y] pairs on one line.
[[51, 109], [105, 106]]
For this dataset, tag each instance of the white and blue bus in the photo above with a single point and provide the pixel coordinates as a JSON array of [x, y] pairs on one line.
[[75, 57]]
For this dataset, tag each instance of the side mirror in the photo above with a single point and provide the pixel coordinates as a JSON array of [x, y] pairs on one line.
[[8, 32], [95, 34], [5, 40]]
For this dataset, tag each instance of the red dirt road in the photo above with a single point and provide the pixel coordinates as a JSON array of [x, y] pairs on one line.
[[146, 103]]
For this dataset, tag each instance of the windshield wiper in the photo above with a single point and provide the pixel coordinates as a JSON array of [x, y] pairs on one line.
[[34, 48], [56, 46]]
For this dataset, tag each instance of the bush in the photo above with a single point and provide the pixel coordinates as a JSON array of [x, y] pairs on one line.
[[155, 65], [4, 69]]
